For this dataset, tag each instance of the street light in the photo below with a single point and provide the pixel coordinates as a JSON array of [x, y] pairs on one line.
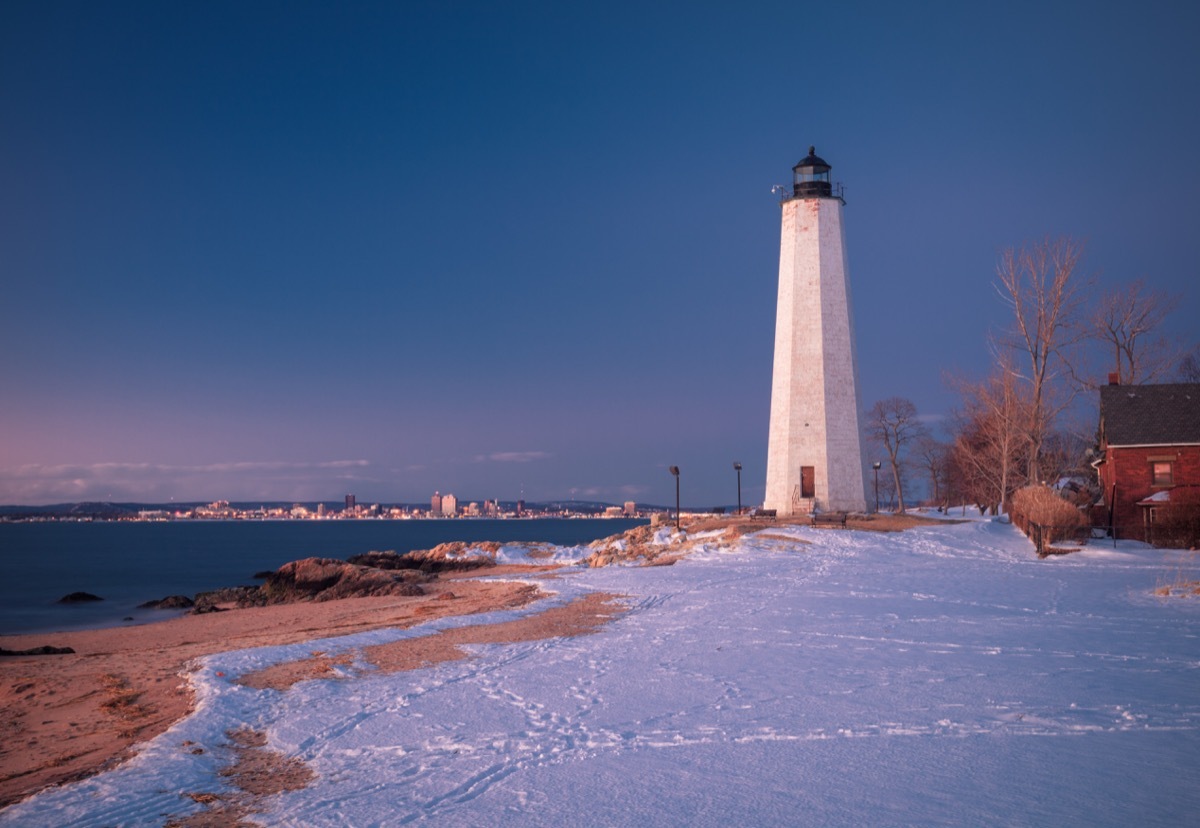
[[675, 471], [737, 467], [876, 466]]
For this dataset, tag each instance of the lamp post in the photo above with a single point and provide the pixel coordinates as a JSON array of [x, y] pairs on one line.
[[876, 466], [737, 467], [675, 471]]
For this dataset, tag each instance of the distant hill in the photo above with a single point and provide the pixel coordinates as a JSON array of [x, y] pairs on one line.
[[105, 511]]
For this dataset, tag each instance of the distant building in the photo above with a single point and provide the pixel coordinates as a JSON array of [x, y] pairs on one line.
[[520, 508], [435, 505], [350, 503], [630, 508], [491, 508], [613, 511], [216, 509], [449, 505], [320, 510]]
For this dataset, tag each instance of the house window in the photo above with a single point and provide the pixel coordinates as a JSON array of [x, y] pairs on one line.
[[1160, 474]]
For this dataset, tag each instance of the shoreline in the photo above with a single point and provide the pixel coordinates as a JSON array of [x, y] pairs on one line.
[[128, 564], [123, 623], [71, 716]]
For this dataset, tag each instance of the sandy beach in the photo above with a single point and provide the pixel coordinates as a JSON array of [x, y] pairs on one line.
[[66, 717]]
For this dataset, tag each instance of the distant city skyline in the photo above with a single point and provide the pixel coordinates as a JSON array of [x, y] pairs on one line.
[[284, 252], [251, 511]]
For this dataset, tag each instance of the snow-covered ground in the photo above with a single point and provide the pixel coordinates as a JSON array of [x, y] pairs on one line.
[[941, 676]]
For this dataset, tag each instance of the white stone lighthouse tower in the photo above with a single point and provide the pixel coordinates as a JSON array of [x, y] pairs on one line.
[[814, 452]]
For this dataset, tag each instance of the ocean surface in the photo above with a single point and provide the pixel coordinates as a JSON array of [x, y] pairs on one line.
[[128, 564]]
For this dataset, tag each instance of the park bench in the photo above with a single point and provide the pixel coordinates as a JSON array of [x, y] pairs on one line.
[[762, 514], [836, 519]]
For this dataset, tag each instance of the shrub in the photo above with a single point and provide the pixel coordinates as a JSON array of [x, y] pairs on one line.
[[1178, 523], [1041, 506]]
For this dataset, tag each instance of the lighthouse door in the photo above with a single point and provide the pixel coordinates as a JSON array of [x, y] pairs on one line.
[[808, 481]]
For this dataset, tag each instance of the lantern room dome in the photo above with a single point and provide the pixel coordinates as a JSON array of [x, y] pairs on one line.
[[812, 162], [810, 178]]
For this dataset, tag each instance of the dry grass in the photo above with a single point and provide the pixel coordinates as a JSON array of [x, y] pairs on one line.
[[256, 773], [736, 526], [203, 798], [121, 699], [638, 545], [1182, 581], [1178, 589], [778, 537], [884, 522]]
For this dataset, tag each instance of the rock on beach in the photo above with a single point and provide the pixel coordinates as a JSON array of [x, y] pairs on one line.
[[170, 602], [79, 598]]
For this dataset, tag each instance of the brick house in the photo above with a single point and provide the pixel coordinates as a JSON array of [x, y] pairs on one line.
[[1149, 445]]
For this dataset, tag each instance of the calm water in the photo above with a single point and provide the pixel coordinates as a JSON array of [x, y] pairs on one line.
[[130, 563]]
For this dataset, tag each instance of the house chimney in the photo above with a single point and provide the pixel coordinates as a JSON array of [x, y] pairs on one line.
[[1114, 378]]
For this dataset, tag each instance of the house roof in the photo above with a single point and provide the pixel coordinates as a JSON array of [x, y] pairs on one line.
[[1140, 415]]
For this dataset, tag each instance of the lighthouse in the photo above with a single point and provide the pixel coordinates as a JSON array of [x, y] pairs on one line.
[[814, 447]]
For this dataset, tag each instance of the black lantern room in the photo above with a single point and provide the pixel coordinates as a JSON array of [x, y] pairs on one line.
[[810, 178]]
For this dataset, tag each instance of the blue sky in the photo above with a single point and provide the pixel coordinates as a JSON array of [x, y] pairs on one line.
[[292, 250]]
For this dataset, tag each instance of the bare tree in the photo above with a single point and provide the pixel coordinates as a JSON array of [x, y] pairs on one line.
[[969, 470], [1126, 322], [991, 440], [934, 458], [887, 491], [1189, 366], [1067, 459], [1039, 284], [893, 423]]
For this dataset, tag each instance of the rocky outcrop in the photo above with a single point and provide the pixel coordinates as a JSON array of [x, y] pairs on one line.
[[219, 599], [34, 651], [327, 579], [643, 546], [384, 560], [79, 598], [170, 602], [635, 545], [445, 557]]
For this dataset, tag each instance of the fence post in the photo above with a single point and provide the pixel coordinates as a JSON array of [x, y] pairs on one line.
[[1112, 514]]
